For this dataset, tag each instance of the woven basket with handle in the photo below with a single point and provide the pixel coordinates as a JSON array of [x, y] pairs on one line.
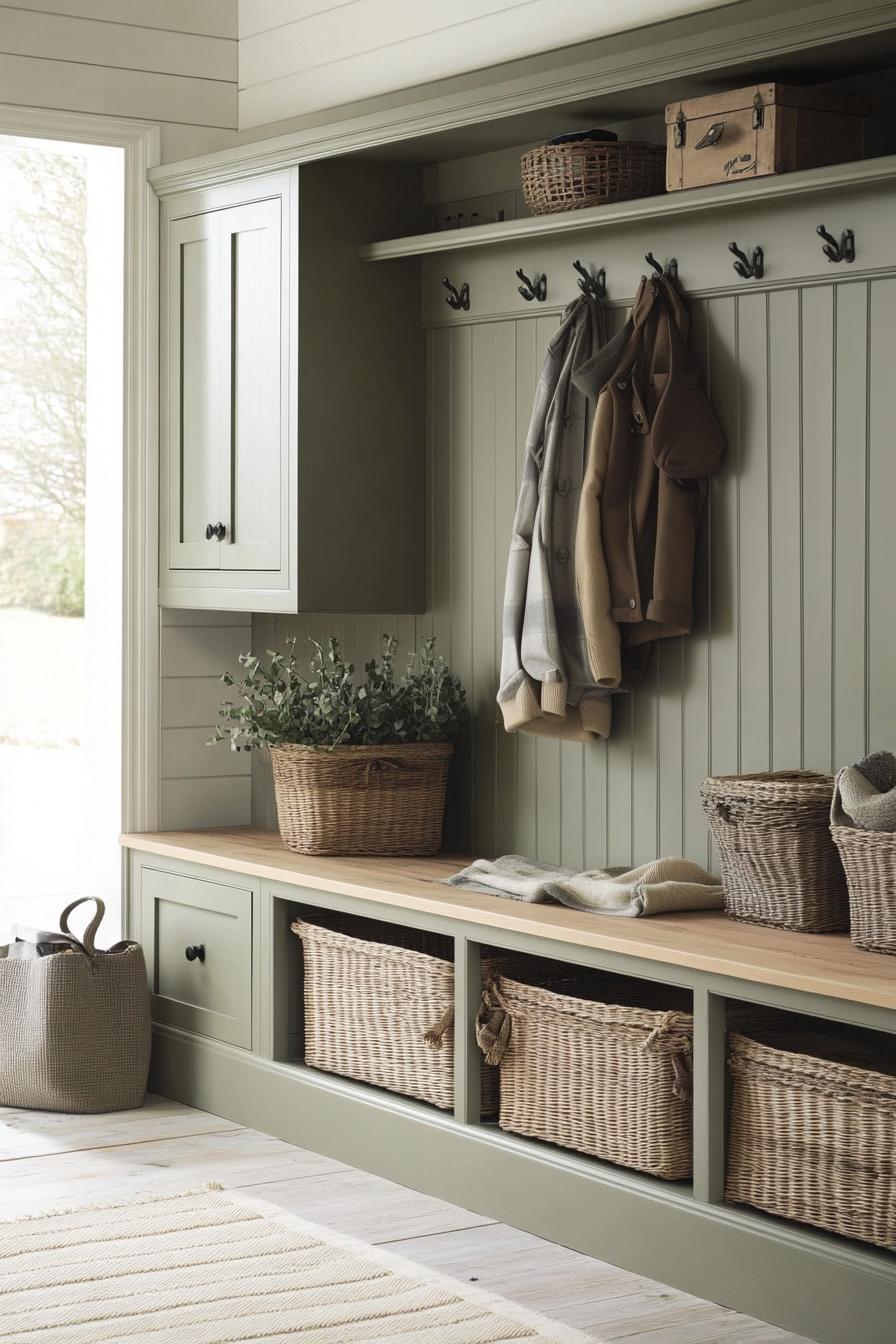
[[608, 1078], [379, 1006], [587, 172], [361, 800], [779, 863], [869, 861], [814, 1138]]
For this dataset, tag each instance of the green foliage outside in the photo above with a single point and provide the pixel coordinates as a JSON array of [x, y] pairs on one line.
[[43, 343], [328, 708]]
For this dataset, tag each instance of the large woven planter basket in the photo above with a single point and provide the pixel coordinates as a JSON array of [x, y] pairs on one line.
[[591, 172], [779, 863], [611, 1079], [362, 800], [814, 1139], [379, 1006]]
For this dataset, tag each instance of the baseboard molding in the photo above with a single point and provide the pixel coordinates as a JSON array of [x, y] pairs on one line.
[[800, 1280]]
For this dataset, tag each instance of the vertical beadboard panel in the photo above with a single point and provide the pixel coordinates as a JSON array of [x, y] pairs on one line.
[[696, 703], [792, 658], [817, 390], [785, 544], [461, 567], [753, 532], [483, 506], [724, 689], [881, 634], [850, 486]]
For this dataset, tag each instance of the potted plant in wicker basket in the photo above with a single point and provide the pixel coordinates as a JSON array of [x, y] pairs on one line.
[[360, 767]]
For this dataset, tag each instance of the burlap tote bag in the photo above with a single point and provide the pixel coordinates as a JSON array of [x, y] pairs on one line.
[[74, 1021]]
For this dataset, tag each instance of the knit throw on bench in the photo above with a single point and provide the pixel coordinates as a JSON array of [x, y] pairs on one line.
[[658, 888]]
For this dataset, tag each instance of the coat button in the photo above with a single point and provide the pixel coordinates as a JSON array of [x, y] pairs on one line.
[[563, 555], [632, 603], [562, 487], [622, 384]]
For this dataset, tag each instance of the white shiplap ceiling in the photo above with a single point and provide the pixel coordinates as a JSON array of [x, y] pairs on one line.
[[301, 56]]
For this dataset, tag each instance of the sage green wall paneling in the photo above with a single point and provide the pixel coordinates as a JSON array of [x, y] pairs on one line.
[[785, 555], [817, 385], [791, 661], [753, 531], [881, 635], [200, 785], [850, 486]]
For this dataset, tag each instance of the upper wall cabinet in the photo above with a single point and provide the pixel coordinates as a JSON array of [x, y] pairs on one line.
[[291, 424]]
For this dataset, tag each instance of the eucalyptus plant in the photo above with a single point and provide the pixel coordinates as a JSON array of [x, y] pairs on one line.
[[327, 708]]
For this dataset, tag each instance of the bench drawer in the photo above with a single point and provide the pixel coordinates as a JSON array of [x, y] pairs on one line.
[[197, 936]]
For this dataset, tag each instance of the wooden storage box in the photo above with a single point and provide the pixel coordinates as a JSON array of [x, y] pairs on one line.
[[813, 1135], [379, 1006], [759, 131], [603, 1068]]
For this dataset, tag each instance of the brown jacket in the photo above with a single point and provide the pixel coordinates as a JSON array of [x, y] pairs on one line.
[[654, 444]]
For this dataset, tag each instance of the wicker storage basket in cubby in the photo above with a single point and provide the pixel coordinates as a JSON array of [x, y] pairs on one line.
[[580, 173], [779, 864], [379, 1006], [813, 1130], [601, 1067]]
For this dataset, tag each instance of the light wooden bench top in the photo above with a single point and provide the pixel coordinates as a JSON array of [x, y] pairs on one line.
[[825, 964]]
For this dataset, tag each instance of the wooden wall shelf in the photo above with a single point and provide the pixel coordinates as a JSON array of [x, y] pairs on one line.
[[862, 176]]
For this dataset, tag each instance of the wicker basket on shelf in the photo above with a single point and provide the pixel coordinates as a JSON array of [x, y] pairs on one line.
[[869, 861], [574, 175], [600, 1068], [379, 1006], [779, 864], [812, 1138], [361, 800]]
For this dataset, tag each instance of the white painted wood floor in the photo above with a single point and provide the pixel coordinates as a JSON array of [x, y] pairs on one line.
[[54, 1161]]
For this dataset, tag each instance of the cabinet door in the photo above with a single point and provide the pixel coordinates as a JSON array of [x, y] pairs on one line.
[[197, 936], [196, 409], [255, 392]]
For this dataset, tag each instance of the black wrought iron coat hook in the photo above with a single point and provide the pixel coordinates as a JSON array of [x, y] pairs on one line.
[[533, 289], [670, 270], [459, 300], [748, 268], [845, 250], [592, 284]]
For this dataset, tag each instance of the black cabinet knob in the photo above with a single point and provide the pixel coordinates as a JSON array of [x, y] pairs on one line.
[[215, 532], [209, 532], [196, 952]]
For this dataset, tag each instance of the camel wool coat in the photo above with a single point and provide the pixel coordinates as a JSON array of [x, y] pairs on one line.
[[654, 444]]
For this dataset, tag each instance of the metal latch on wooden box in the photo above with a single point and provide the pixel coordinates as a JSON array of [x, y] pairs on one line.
[[680, 132], [758, 112]]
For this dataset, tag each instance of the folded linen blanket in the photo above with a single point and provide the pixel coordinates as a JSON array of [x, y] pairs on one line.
[[865, 794], [661, 887]]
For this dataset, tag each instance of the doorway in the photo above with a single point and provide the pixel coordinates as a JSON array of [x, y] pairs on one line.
[[61, 462]]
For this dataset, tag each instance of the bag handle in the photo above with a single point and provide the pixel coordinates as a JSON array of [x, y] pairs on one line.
[[87, 942]]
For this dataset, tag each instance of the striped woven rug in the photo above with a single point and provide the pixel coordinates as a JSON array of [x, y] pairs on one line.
[[216, 1267]]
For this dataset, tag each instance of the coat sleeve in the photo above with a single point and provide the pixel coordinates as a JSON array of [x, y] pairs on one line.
[[542, 656], [517, 697]]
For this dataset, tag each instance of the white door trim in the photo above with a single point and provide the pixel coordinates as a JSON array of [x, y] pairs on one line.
[[140, 439]]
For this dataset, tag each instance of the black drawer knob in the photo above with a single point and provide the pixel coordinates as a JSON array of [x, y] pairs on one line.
[[215, 531], [195, 952]]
